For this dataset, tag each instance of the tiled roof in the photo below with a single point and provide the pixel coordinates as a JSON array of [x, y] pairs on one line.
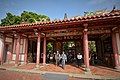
[[112, 14]]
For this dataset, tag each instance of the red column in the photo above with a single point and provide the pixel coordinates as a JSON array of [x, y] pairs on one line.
[[26, 51], [115, 50], [38, 50], [44, 51], [86, 50], [14, 46], [17, 51], [2, 40]]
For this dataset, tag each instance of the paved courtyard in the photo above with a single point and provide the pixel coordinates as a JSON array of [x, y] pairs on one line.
[[97, 70], [13, 75], [51, 72]]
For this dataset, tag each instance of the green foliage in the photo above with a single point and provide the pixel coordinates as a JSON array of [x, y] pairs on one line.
[[65, 46], [33, 17], [49, 47], [26, 17], [68, 45], [92, 46], [10, 20]]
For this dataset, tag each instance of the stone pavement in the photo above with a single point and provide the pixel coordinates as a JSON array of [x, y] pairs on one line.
[[13, 75], [97, 72], [51, 76]]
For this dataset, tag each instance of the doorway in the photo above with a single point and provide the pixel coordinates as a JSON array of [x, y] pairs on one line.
[[69, 48], [101, 51], [6, 48], [32, 50]]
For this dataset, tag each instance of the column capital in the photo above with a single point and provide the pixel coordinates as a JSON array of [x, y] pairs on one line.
[[115, 30], [2, 36], [43, 34], [36, 31], [17, 35], [85, 25], [85, 30], [27, 36], [39, 34]]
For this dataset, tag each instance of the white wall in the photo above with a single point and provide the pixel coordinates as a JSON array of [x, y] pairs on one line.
[[118, 42], [1, 47], [21, 57], [8, 39], [22, 50]]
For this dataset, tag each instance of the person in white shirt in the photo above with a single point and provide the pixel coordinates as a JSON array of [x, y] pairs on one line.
[[79, 59]]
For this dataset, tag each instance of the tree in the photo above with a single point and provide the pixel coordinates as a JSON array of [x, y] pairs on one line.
[[49, 47], [27, 17], [31, 17], [10, 20], [65, 46], [92, 46]]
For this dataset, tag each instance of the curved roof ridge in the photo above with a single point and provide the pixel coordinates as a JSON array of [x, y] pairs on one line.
[[107, 14]]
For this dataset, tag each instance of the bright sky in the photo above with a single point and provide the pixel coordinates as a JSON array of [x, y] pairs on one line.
[[55, 8]]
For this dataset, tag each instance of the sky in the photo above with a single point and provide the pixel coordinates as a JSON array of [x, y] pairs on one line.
[[55, 9]]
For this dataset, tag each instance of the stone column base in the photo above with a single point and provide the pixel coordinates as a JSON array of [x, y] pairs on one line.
[[44, 64], [117, 67], [16, 65], [37, 66], [1, 63], [25, 63], [87, 71]]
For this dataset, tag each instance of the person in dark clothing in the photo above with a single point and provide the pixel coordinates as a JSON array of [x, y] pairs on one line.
[[48, 58], [94, 59]]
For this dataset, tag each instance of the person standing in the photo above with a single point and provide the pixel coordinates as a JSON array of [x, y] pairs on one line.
[[94, 58], [51, 57], [48, 57], [57, 58], [79, 59], [64, 59]]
